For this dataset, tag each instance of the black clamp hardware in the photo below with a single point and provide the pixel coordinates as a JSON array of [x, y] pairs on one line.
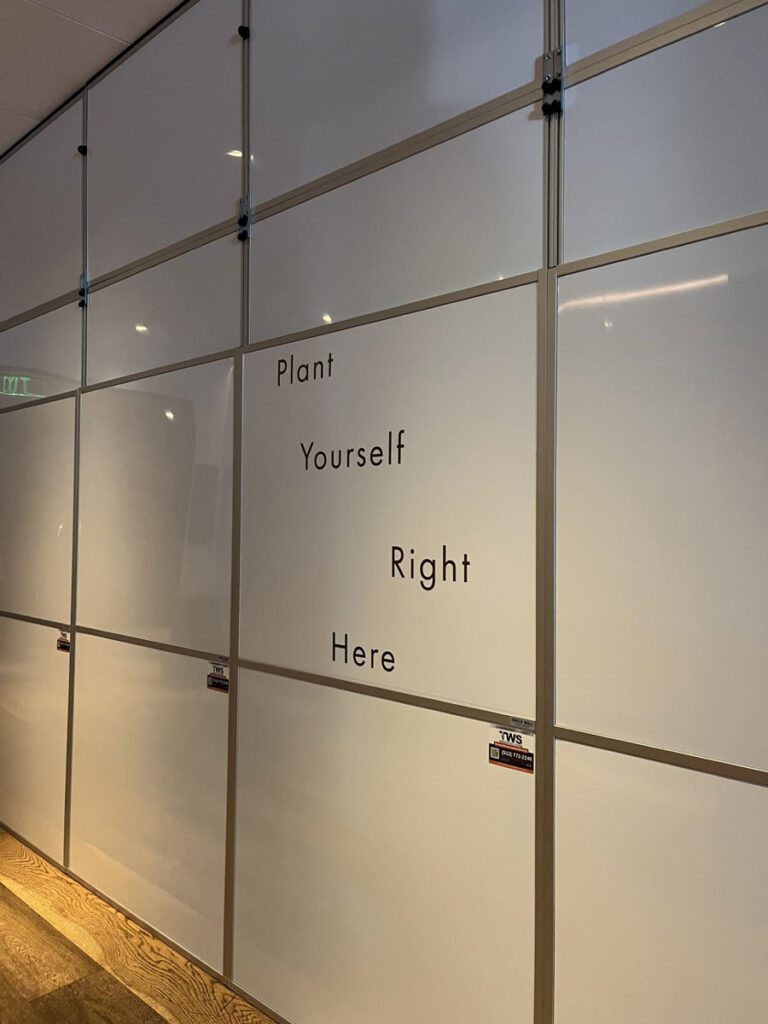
[[244, 219], [552, 83], [244, 32], [82, 150], [83, 293]]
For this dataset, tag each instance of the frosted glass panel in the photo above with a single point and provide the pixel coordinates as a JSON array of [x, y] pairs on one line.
[[661, 897], [41, 189], [592, 25], [382, 862], [156, 508], [37, 450], [667, 142], [336, 80], [149, 789], [178, 310], [367, 508], [161, 128], [34, 687], [41, 357], [662, 560], [463, 213]]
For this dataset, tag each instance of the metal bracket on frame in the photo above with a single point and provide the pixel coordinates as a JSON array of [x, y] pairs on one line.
[[552, 82], [83, 292], [244, 219]]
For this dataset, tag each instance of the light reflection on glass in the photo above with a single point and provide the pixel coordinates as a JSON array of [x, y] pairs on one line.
[[644, 293]]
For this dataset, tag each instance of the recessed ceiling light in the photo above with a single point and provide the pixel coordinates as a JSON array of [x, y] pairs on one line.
[[169, 415], [327, 318], [141, 328], [234, 152]]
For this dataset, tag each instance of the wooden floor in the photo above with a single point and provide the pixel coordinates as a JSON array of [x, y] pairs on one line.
[[67, 957]]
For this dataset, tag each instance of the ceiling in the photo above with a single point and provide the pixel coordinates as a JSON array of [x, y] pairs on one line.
[[50, 48]]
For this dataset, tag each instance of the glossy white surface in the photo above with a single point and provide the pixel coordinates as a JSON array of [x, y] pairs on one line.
[[336, 80], [186, 307], [460, 214], [156, 508], [34, 687], [662, 561], [460, 382], [41, 357], [160, 128], [382, 862], [668, 142], [37, 451], [149, 789], [591, 25], [661, 900], [41, 189]]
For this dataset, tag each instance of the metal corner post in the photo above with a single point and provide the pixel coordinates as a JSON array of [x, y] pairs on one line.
[[237, 440], [544, 953], [76, 496]]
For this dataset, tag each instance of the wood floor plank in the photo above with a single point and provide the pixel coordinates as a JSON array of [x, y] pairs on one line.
[[97, 999], [34, 957], [12, 1009], [178, 991]]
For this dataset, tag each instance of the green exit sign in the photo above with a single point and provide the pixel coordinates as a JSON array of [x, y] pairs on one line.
[[15, 385]]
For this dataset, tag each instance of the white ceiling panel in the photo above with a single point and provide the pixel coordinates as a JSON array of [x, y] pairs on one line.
[[125, 20], [50, 48]]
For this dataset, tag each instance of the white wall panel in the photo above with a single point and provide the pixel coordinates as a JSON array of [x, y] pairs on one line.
[[336, 80], [149, 789], [37, 450], [384, 867], [592, 25], [668, 142], [662, 561], [186, 307], [34, 687], [160, 128], [156, 508], [41, 188], [661, 896], [456, 387], [41, 357], [460, 214]]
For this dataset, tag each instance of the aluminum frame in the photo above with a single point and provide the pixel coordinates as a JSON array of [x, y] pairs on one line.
[[546, 278]]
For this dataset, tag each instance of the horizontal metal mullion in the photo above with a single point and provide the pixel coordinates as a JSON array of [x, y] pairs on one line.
[[417, 306], [153, 645], [492, 110], [656, 38], [692, 762], [154, 259], [159, 371], [382, 693], [62, 626], [41, 310], [38, 401], [725, 227]]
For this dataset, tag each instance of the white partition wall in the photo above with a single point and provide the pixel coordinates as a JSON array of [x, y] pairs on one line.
[[41, 214], [382, 861], [37, 451], [149, 789], [162, 129], [383, 546], [34, 689], [346, 79], [156, 508], [365, 512], [661, 897]]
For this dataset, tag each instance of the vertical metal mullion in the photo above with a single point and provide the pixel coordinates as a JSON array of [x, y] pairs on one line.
[[237, 439], [76, 500], [544, 959]]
